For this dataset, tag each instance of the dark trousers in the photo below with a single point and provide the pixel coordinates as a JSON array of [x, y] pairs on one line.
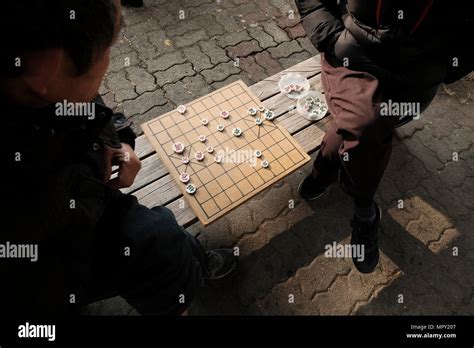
[[144, 256], [359, 142]]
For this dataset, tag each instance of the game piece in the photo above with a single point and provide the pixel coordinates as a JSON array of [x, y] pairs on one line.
[[220, 128], [218, 159], [185, 160], [178, 147], [181, 109], [252, 111], [204, 122], [237, 132], [202, 138], [199, 155], [258, 121], [224, 114], [293, 89], [315, 106], [261, 108], [210, 149], [258, 153], [191, 189], [184, 177], [265, 164], [269, 115]]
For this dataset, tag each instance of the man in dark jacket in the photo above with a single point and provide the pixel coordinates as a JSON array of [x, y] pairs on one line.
[[382, 63], [69, 236]]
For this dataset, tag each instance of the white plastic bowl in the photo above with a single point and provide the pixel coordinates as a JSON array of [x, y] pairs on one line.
[[300, 106], [296, 79]]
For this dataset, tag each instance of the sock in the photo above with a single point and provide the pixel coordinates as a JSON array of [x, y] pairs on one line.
[[365, 212]]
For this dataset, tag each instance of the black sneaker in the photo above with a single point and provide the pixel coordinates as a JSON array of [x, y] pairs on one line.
[[310, 189], [365, 233], [221, 263]]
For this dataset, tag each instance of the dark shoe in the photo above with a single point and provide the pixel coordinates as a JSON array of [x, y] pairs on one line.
[[365, 233], [310, 189], [132, 3], [221, 263]]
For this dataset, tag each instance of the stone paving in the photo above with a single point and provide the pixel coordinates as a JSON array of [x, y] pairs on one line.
[[427, 194], [171, 52]]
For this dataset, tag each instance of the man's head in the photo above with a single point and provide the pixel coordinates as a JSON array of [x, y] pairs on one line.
[[54, 50]]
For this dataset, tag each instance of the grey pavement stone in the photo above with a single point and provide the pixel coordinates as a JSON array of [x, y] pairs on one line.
[[141, 79], [143, 103], [182, 27], [196, 85], [220, 72], [264, 40], [286, 49], [197, 58], [173, 74], [190, 38], [187, 89], [210, 25], [232, 78], [163, 16], [232, 39], [120, 86], [123, 60], [165, 61], [229, 22], [160, 41], [216, 54], [295, 58], [279, 35], [243, 49]]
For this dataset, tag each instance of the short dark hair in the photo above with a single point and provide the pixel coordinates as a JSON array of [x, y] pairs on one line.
[[82, 27]]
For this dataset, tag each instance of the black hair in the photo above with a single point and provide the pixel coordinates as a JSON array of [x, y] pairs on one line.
[[82, 27]]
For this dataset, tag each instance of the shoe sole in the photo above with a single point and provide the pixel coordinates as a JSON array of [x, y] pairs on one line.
[[311, 198], [225, 274]]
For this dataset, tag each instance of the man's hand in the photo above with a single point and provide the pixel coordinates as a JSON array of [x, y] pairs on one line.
[[129, 166]]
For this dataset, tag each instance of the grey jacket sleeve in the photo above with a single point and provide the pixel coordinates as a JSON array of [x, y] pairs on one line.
[[321, 20]]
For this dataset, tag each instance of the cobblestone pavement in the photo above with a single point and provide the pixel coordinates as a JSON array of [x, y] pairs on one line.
[[171, 52], [427, 247]]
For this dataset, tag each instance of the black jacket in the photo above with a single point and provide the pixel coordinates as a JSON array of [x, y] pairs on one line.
[[401, 42], [53, 196]]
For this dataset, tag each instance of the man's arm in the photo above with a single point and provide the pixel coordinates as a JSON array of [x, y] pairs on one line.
[[322, 22], [119, 141]]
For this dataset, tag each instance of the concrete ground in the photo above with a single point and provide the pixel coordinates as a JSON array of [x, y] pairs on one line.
[[427, 194]]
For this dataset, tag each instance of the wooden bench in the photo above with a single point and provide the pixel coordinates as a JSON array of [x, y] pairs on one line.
[[154, 186]]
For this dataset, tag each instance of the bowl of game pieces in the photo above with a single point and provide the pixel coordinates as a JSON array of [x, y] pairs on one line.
[[312, 106], [294, 86]]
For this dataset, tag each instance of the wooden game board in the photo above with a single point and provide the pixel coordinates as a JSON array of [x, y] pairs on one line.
[[223, 186]]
